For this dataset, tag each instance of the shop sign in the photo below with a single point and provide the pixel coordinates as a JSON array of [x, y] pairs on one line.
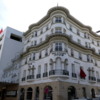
[[11, 93]]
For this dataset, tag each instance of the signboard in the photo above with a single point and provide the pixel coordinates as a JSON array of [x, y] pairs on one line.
[[11, 93]]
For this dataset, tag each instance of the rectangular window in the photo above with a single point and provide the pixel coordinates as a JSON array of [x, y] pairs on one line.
[[24, 73], [86, 44], [92, 41], [45, 68], [32, 71], [39, 69], [97, 74], [58, 30], [58, 20], [16, 37], [35, 33], [79, 41], [35, 42], [40, 56], [73, 68], [80, 56], [70, 27], [78, 33], [46, 53], [33, 56], [58, 47], [72, 52], [84, 35], [88, 58]]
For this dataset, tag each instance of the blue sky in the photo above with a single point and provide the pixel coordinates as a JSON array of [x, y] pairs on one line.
[[19, 14]]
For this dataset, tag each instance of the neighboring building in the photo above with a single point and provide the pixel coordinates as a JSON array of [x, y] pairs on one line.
[[10, 49], [11, 74], [8, 91], [10, 46], [60, 60]]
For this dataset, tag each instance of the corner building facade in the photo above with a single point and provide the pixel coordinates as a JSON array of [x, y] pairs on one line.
[[60, 60]]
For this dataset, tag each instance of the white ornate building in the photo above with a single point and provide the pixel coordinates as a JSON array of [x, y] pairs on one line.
[[60, 60]]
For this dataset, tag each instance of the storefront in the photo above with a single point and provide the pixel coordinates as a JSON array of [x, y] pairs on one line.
[[8, 91]]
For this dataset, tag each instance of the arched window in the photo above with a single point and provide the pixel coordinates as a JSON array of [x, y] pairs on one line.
[[48, 93], [29, 93], [22, 93], [71, 93], [58, 64], [93, 93], [65, 64], [84, 92], [37, 93]]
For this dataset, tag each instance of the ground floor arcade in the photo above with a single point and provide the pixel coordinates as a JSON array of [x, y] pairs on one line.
[[57, 91]]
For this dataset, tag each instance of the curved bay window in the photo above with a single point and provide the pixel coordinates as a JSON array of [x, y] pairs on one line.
[[29, 93], [58, 46], [22, 93], [48, 93], [37, 93]]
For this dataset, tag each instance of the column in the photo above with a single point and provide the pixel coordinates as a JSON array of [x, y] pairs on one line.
[[54, 65], [62, 67], [25, 94], [41, 95]]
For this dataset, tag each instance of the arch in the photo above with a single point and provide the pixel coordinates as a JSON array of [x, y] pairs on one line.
[[29, 93], [93, 93], [58, 58], [84, 92], [37, 93], [22, 93], [71, 92], [48, 93]]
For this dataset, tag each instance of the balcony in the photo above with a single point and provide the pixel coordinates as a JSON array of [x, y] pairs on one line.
[[23, 79], [58, 73], [30, 77], [74, 75], [92, 79], [45, 74], [38, 76]]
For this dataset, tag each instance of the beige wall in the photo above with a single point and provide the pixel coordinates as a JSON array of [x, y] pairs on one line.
[[60, 90]]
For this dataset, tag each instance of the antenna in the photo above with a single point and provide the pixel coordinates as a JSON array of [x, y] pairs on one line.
[[57, 4], [98, 31]]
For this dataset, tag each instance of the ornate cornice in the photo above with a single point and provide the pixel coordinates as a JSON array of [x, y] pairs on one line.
[[52, 10]]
